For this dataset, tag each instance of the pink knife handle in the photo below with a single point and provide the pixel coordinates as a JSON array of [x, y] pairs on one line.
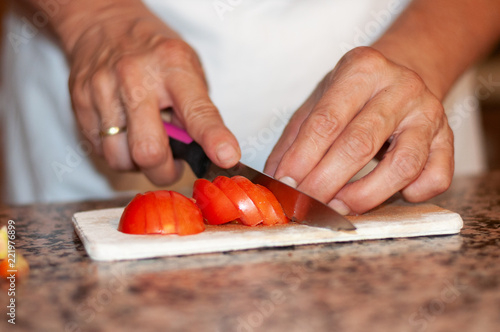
[[177, 133], [184, 147]]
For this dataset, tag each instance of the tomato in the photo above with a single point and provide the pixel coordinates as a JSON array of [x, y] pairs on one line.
[[11, 260], [237, 198], [267, 214], [161, 212], [4, 240], [21, 266], [281, 217], [249, 214], [213, 203]]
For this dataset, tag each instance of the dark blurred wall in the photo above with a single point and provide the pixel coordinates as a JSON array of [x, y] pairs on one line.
[[2, 10], [3, 5]]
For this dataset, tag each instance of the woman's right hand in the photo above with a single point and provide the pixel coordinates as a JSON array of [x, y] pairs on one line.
[[126, 65]]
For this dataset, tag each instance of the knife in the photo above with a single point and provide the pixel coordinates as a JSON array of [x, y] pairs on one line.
[[298, 206]]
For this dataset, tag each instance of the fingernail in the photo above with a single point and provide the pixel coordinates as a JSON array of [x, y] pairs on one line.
[[340, 207], [226, 153], [289, 181]]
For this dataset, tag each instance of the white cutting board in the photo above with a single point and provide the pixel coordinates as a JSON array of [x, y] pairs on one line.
[[98, 231]]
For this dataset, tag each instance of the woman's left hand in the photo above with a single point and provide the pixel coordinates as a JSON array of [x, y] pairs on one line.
[[364, 102]]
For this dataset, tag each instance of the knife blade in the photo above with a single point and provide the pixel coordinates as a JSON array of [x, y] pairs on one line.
[[298, 206]]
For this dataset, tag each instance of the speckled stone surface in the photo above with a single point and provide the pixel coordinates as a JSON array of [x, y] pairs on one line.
[[447, 283]]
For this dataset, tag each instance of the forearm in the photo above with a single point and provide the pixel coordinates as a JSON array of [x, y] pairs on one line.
[[69, 19], [439, 39]]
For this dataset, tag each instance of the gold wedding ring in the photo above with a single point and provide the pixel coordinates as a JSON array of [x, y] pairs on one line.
[[112, 131]]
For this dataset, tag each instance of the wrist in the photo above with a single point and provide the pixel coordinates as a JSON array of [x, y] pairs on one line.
[[76, 18], [421, 63]]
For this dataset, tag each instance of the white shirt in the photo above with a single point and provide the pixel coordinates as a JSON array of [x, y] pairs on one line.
[[262, 59]]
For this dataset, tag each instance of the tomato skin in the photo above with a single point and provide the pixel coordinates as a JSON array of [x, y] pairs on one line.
[[161, 212], [237, 199], [249, 214], [216, 208], [186, 211], [281, 217], [266, 210]]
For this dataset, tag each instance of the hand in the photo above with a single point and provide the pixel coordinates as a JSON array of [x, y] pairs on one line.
[[364, 102], [126, 66]]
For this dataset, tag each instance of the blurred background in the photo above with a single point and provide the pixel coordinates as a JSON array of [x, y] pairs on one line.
[[488, 71]]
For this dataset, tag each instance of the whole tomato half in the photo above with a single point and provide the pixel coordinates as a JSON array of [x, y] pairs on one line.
[[237, 198], [161, 212]]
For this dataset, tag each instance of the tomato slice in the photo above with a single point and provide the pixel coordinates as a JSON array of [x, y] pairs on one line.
[[162, 218], [249, 214], [133, 219], [278, 209], [161, 212], [266, 210], [188, 216], [214, 204]]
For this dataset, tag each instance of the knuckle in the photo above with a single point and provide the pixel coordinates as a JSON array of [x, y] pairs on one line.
[[100, 80], [412, 82], [78, 99], [146, 152], [367, 58], [176, 51], [407, 163], [359, 145], [433, 116], [126, 65], [323, 124], [200, 114], [78, 96], [198, 108], [441, 181], [436, 111]]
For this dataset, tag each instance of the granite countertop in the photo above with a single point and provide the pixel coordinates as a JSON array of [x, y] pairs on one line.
[[441, 283]]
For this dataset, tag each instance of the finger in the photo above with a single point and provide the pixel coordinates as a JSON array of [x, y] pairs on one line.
[[288, 136], [147, 140], [356, 145], [401, 165], [336, 108], [438, 172], [201, 118], [85, 113], [106, 100]]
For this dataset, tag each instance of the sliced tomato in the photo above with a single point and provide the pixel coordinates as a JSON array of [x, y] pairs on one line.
[[163, 219], [249, 214], [214, 204], [133, 219], [237, 198], [161, 212], [281, 217], [185, 213], [269, 216]]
